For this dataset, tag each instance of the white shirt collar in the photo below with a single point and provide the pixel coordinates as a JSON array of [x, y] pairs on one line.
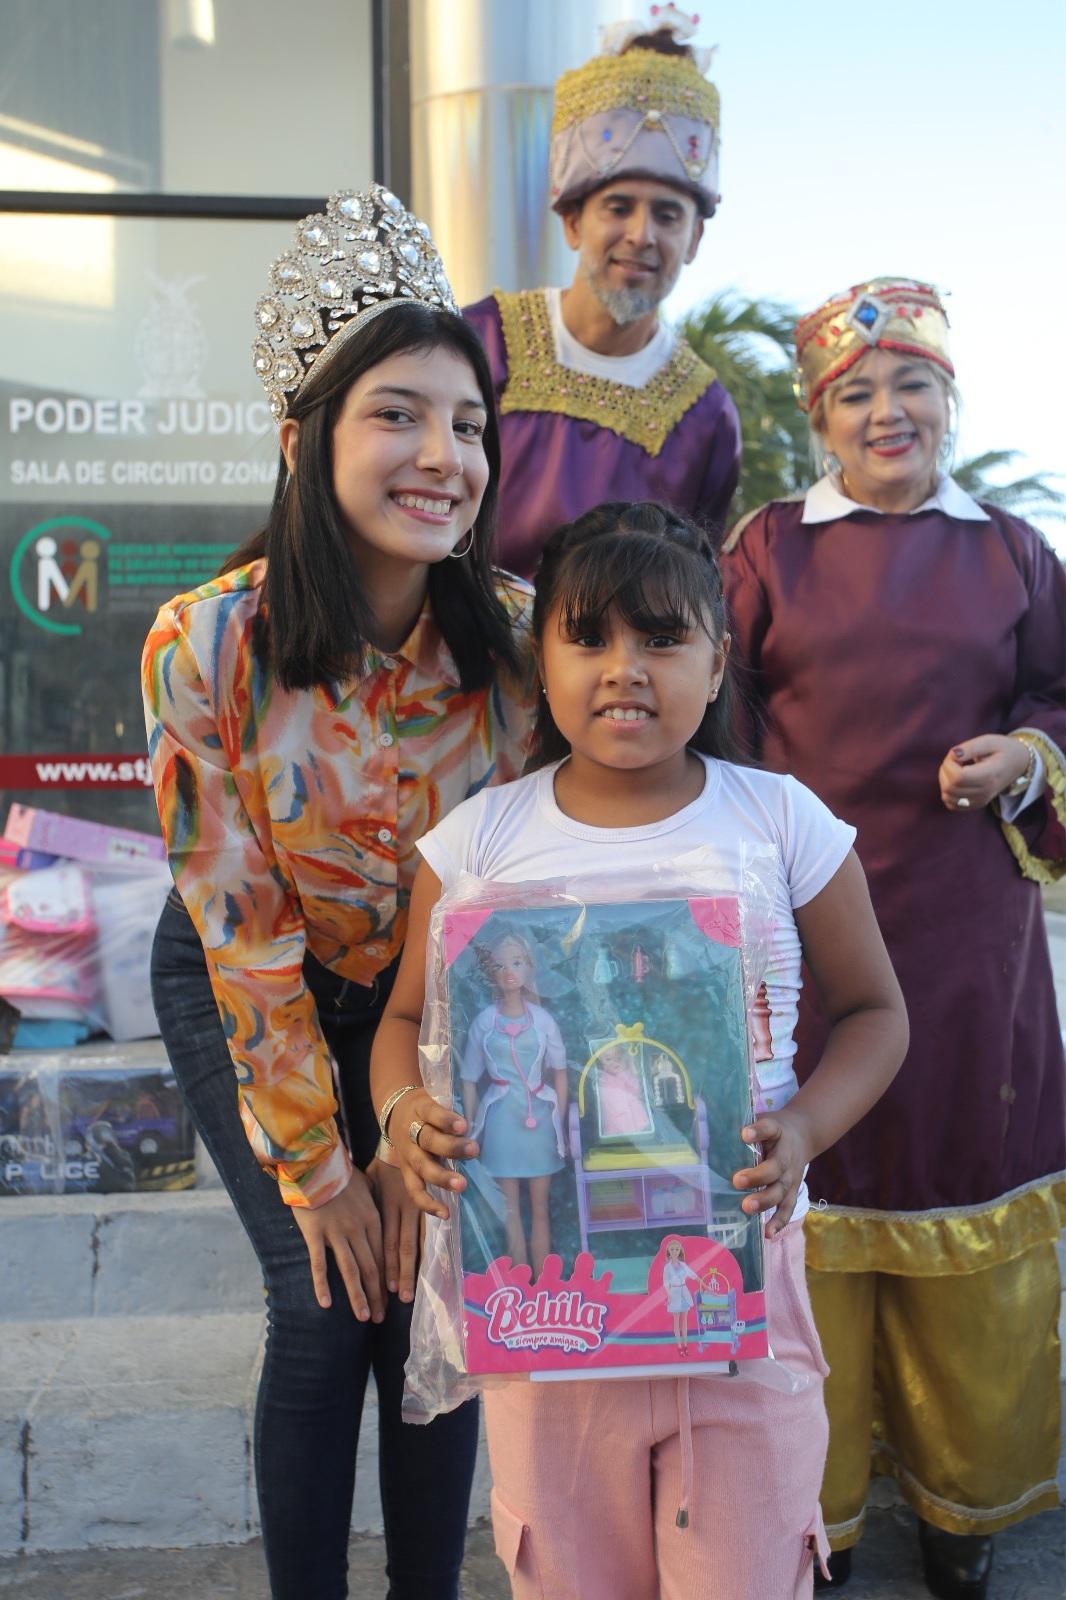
[[826, 502], [633, 371]]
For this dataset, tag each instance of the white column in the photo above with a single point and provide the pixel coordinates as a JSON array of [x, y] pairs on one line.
[[482, 76]]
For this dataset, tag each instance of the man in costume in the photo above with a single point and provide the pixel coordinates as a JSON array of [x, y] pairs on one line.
[[598, 399]]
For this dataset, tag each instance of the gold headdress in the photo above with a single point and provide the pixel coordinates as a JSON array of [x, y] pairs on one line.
[[898, 314], [362, 255], [640, 112]]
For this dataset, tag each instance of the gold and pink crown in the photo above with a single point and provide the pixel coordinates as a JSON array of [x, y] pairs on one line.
[[642, 113], [898, 314]]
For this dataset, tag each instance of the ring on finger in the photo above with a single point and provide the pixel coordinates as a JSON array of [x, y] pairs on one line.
[[963, 804], [415, 1131]]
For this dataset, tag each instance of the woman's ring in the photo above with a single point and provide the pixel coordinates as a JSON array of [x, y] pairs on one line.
[[415, 1131], [963, 804]]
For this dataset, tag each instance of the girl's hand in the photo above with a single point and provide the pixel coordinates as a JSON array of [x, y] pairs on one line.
[[401, 1223], [441, 1140], [394, 1062], [786, 1152], [348, 1225], [979, 769]]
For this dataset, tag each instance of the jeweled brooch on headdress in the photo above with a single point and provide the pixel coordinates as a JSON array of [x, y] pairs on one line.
[[346, 265], [900, 314]]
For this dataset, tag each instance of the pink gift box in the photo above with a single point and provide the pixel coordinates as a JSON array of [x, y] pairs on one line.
[[92, 842]]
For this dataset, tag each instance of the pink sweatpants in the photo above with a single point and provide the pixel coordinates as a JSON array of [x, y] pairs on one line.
[[588, 1477]]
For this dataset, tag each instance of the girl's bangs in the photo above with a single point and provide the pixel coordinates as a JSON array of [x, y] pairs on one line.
[[653, 586]]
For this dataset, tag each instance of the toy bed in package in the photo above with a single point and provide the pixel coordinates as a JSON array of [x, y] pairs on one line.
[[600, 1042]]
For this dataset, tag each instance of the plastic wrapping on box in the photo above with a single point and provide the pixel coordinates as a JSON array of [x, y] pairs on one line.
[[75, 941], [599, 1038], [92, 1121]]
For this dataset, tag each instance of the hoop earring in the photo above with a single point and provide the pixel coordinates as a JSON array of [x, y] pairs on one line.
[[946, 452], [830, 464], [457, 554]]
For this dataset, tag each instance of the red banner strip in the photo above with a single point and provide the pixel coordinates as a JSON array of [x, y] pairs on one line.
[[75, 771]]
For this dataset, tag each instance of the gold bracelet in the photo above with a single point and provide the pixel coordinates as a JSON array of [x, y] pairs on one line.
[[386, 1111]]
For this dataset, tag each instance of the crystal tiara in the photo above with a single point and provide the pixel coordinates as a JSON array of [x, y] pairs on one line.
[[346, 265]]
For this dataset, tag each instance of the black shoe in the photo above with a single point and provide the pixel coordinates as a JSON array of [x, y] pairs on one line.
[[839, 1565], [956, 1565]]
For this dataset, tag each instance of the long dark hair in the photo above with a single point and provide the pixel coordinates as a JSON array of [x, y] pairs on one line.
[[662, 41], [314, 621], [658, 571]]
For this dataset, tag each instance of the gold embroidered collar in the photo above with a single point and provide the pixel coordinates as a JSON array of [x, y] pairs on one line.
[[536, 380]]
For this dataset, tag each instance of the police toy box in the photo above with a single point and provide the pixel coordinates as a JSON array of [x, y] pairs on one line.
[[91, 1123]]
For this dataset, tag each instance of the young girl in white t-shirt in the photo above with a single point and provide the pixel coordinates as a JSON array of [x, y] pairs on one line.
[[633, 1489]]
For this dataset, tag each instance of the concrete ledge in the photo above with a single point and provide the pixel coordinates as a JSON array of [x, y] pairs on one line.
[[135, 1433], [127, 1432], [125, 1255]]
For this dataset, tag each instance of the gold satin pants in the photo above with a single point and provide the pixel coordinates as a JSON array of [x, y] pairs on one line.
[[949, 1384]]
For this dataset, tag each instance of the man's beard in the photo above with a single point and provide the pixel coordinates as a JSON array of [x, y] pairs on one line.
[[624, 306]]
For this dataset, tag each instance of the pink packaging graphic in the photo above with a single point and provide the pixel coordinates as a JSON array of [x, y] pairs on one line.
[[515, 1325]]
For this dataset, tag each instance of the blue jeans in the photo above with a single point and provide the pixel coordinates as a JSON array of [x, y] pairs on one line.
[[317, 1362]]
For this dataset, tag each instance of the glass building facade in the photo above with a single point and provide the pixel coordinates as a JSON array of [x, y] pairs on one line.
[[153, 157]]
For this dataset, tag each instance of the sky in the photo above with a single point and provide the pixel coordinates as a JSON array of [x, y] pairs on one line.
[[921, 139]]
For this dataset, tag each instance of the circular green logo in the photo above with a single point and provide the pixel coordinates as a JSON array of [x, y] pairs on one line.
[[52, 583]]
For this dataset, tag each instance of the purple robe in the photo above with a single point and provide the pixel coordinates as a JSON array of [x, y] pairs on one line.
[[557, 466], [876, 643]]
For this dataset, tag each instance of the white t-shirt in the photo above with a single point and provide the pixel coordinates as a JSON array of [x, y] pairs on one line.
[[632, 371], [517, 834]]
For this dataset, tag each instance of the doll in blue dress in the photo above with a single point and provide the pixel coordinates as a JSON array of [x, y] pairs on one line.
[[517, 1116]]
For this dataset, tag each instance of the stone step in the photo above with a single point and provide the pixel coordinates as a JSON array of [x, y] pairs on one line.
[[127, 1431], [135, 1433], [145, 1255]]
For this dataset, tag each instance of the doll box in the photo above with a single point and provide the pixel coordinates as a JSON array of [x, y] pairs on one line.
[[602, 1053], [94, 843], [90, 1123]]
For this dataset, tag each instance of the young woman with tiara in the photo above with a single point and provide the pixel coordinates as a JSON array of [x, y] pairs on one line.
[[356, 671], [631, 1489]]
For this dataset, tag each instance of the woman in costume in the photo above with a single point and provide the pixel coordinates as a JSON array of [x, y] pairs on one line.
[[519, 1118], [906, 647], [310, 712]]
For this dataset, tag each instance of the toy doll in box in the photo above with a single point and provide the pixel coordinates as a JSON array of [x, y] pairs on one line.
[[512, 1049], [566, 1250]]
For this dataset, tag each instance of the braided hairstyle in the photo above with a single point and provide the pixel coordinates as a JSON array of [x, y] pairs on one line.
[[658, 571]]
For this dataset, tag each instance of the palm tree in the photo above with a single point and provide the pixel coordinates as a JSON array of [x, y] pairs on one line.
[[1031, 496], [749, 344]]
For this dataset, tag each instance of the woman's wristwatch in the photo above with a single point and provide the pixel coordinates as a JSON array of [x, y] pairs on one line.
[[1022, 782], [387, 1109]]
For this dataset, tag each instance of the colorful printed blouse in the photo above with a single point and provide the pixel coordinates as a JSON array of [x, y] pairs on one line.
[[290, 819]]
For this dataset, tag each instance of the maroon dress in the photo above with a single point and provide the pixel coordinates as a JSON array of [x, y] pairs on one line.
[[569, 442], [875, 644]]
